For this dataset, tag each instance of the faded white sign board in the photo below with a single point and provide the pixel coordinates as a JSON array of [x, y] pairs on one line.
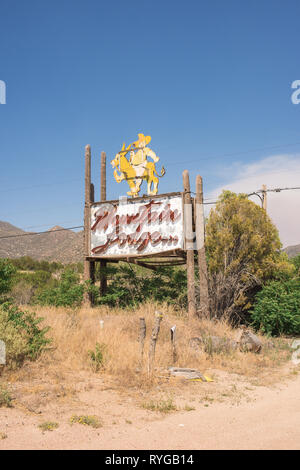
[[140, 227]]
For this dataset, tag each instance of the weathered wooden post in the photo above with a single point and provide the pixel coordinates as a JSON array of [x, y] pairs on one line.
[[188, 228], [87, 221], [142, 337], [200, 238], [103, 279], [154, 336], [2, 356], [103, 177], [174, 346]]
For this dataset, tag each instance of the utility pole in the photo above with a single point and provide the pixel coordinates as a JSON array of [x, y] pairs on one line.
[[190, 263], [200, 236], [264, 195], [88, 266]]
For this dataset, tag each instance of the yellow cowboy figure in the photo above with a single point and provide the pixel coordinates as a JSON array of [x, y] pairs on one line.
[[139, 154], [137, 168]]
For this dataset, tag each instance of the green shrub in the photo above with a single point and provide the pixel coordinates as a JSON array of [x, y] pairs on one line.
[[26, 263], [277, 308], [7, 271], [5, 397], [23, 337], [87, 420], [128, 286], [296, 262], [97, 356], [28, 285], [67, 293], [48, 426], [163, 406]]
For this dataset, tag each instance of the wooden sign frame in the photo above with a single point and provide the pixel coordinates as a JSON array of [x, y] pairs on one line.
[[194, 224]]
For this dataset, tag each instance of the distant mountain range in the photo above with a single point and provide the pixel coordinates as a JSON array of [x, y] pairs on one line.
[[65, 246], [292, 251]]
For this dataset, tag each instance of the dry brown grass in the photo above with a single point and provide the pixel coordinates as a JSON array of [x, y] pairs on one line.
[[76, 332]]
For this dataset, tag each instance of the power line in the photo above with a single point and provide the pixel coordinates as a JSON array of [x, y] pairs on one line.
[[40, 233], [46, 225], [276, 190], [273, 190], [40, 185], [272, 147]]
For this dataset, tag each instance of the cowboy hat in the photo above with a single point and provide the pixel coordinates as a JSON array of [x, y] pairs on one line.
[[142, 139]]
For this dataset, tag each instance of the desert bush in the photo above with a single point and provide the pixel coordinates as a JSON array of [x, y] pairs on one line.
[[277, 308], [7, 271], [67, 292], [5, 397], [296, 262], [23, 337], [27, 286], [97, 356], [22, 292], [48, 426], [129, 287], [87, 420], [27, 263], [163, 405]]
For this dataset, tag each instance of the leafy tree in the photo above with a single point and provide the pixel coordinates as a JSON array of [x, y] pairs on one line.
[[243, 248]]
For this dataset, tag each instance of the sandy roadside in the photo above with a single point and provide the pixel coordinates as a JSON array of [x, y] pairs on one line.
[[270, 421]]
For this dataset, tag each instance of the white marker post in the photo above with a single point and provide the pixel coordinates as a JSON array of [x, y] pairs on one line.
[[2, 353]]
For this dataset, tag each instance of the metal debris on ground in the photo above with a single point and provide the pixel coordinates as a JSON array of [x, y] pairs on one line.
[[190, 374]]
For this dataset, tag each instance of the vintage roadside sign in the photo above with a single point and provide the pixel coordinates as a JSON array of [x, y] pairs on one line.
[[137, 227]]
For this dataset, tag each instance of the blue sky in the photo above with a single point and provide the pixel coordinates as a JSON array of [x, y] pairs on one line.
[[209, 81]]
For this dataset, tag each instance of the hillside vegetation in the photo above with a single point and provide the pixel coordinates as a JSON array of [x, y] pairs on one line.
[[250, 281]]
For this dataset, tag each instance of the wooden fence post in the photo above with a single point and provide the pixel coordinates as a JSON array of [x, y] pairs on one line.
[[103, 278], [188, 228], [142, 337], [154, 336], [103, 177], [200, 237], [174, 346]]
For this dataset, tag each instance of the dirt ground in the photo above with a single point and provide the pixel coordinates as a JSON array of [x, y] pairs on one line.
[[231, 412]]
